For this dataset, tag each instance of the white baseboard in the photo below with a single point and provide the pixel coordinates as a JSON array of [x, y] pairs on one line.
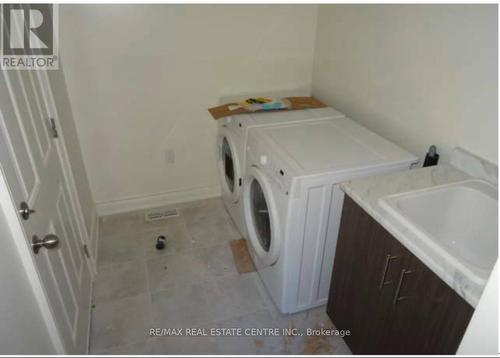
[[161, 199]]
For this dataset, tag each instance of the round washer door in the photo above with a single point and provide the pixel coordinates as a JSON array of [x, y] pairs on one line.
[[228, 164], [261, 216]]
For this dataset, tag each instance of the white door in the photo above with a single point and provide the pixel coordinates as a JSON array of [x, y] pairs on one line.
[[32, 164]]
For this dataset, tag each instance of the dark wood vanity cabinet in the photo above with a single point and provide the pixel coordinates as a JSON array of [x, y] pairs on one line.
[[389, 300]]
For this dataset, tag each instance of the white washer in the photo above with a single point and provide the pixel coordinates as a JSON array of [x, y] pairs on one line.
[[231, 153], [292, 200]]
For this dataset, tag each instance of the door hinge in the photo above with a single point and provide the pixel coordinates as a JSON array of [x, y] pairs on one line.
[[86, 251], [53, 128]]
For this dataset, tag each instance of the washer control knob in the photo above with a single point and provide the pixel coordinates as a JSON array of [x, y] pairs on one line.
[[263, 159]]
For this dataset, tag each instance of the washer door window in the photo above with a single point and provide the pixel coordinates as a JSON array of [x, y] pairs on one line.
[[261, 216], [228, 163]]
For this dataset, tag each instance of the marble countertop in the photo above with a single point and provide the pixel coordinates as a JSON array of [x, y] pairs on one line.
[[367, 191]]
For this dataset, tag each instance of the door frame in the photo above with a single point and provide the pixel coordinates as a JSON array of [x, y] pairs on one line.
[[9, 210]]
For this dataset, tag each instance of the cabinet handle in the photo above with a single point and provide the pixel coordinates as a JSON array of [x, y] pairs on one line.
[[397, 298], [388, 259]]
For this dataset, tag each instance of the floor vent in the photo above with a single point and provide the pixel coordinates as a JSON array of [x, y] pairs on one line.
[[161, 215]]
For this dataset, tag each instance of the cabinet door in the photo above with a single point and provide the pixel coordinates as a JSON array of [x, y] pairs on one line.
[[366, 264], [389, 300], [426, 316]]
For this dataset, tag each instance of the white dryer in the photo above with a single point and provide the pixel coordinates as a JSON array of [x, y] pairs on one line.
[[292, 200], [231, 153]]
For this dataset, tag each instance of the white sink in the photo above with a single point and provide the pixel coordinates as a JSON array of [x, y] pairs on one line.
[[458, 221]]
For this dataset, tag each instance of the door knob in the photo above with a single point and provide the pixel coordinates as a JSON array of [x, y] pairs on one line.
[[25, 210], [50, 241]]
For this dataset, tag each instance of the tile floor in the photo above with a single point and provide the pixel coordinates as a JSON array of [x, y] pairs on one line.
[[192, 283]]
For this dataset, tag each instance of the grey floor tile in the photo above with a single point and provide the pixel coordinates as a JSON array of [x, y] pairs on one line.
[[217, 260], [315, 345], [120, 323], [313, 318], [233, 295], [193, 283], [119, 281], [212, 230], [208, 223], [117, 225], [316, 317], [188, 346], [211, 301], [119, 249], [177, 238], [309, 344], [198, 207], [176, 269], [181, 306], [251, 341], [146, 347]]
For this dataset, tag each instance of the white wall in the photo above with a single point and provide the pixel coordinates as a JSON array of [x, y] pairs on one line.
[[141, 78], [415, 74], [22, 328]]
